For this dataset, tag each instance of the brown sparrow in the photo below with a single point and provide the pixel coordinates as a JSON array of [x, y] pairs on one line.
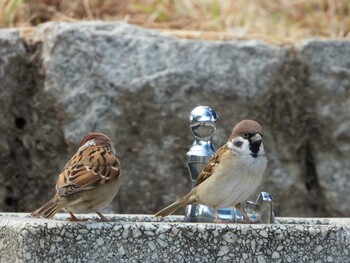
[[232, 174], [88, 182]]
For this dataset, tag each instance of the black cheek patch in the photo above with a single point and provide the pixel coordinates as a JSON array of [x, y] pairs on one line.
[[238, 144]]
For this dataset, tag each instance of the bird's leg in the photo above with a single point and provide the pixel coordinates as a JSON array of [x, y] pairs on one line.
[[73, 218], [217, 218], [245, 215], [102, 217]]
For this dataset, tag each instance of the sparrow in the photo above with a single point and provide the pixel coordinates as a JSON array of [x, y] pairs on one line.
[[88, 182], [232, 174]]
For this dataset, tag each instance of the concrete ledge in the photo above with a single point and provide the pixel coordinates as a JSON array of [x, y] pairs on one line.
[[141, 238]]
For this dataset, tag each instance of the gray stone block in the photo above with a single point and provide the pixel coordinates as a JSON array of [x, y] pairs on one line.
[[14, 83], [328, 64], [148, 239], [138, 86]]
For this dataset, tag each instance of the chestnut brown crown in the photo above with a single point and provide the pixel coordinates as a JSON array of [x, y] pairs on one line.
[[99, 138], [246, 126]]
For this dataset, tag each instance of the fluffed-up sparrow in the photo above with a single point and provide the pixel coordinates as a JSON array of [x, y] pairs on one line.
[[88, 182], [232, 174]]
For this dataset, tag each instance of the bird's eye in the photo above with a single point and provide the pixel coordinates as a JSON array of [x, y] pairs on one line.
[[246, 135]]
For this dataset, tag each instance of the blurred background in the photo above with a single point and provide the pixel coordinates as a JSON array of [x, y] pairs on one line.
[[276, 20], [137, 75]]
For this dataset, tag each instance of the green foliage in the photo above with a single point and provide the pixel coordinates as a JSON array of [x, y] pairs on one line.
[[10, 7], [215, 9]]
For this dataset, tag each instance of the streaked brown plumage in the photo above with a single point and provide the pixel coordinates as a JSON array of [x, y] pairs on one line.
[[88, 182]]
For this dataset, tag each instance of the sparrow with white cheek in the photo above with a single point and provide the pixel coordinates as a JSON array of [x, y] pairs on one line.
[[232, 174], [88, 182]]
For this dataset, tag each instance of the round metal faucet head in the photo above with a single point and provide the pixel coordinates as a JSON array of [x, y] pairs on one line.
[[202, 121]]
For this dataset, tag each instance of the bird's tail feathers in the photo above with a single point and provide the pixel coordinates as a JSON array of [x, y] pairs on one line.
[[49, 209], [185, 200]]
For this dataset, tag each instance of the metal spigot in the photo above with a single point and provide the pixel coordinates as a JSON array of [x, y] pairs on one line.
[[260, 211], [202, 121]]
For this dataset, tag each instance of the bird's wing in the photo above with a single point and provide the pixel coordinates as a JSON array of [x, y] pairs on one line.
[[89, 167], [208, 169]]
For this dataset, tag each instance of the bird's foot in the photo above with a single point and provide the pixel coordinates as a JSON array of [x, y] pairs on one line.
[[73, 218], [217, 218], [246, 219], [102, 218]]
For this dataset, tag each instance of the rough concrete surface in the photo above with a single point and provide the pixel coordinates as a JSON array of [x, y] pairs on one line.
[[147, 239], [138, 86]]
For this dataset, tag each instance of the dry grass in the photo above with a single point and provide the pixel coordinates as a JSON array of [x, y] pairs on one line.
[[280, 20]]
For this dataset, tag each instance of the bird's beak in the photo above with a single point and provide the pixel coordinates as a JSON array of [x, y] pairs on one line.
[[257, 138]]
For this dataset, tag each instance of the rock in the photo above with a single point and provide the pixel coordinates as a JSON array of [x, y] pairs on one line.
[[30, 138], [329, 81], [139, 86], [12, 74]]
